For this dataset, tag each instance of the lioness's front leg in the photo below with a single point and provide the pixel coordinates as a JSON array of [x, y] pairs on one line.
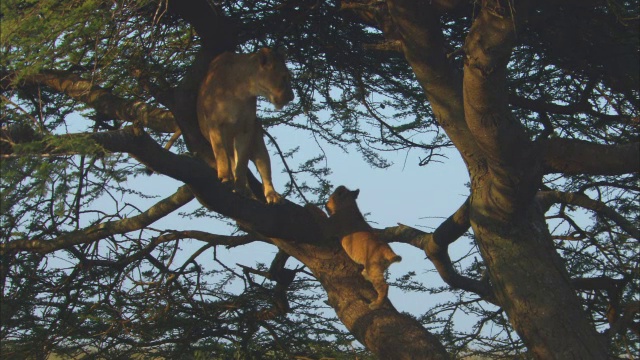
[[260, 157]]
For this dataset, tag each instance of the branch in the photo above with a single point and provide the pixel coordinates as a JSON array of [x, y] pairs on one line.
[[572, 157], [285, 221], [547, 198], [488, 48], [102, 100], [436, 246], [543, 106], [217, 32], [103, 230], [626, 320], [417, 26]]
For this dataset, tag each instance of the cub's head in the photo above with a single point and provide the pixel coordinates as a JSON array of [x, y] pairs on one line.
[[273, 77], [341, 198]]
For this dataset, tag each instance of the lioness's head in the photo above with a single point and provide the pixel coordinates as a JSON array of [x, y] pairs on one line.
[[341, 198], [273, 78]]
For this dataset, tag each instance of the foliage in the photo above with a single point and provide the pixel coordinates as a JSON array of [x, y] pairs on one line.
[[162, 291]]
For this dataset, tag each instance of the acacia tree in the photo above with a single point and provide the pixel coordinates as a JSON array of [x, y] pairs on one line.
[[539, 98]]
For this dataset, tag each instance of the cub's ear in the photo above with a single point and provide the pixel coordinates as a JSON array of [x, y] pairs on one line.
[[263, 55], [355, 193]]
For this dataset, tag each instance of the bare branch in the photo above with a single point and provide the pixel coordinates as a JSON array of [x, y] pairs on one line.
[[286, 221], [103, 100], [550, 197], [103, 230]]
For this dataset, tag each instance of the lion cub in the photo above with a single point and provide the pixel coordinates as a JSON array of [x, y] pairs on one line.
[[226, 108], [359, 241]]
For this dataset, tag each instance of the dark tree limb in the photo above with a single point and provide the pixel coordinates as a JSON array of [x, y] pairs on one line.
[[572, 156], [435, 246], [417, 26], [286, 221], [488, 49], [102, 100]]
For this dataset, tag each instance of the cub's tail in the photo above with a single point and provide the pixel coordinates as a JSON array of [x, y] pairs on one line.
[[391, 257]]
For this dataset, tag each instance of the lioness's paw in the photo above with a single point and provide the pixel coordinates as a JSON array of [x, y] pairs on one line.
[[226, 181], [273, 197]]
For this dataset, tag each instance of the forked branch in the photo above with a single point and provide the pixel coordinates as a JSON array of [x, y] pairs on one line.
[[435, 246], [103, 230]]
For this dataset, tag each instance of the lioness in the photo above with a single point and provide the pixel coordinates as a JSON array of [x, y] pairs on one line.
[[227, 113], [359, 241]]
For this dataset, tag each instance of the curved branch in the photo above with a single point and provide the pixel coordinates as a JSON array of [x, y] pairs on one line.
[[547, 198], [103, 230], [286, 221], [436, 246], [571, 157], [103, 100], [423, 44]]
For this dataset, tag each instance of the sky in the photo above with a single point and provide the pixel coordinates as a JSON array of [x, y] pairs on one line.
[[406, 193]]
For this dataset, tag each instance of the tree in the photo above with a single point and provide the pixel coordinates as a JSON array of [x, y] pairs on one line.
[[539, 98]]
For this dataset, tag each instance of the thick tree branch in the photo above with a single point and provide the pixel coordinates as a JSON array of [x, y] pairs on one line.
[[287, 221], [486, 99], [217, 32], [103, 230], [218, 35], [571, 156], [436, 246], [543, 106], [104, 101], [423, 45]]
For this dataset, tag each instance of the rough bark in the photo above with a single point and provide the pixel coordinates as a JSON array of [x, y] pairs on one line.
[[386, 332], [527, 275], [531, 283]]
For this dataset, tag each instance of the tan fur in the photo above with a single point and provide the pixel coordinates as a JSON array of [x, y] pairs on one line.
[[227, 113], [359, 241]]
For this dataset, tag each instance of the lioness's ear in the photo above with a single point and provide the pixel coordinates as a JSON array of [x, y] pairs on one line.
[[355, 193], [263, 56]]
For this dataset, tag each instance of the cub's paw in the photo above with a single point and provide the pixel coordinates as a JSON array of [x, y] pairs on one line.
[[273, 197], [375, 305]]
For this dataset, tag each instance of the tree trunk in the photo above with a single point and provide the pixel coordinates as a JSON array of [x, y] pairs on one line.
[[531, 283], [385, 331]]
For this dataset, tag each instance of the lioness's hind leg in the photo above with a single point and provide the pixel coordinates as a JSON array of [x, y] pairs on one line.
[[242, 149], [222, 153], [260, 157]]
